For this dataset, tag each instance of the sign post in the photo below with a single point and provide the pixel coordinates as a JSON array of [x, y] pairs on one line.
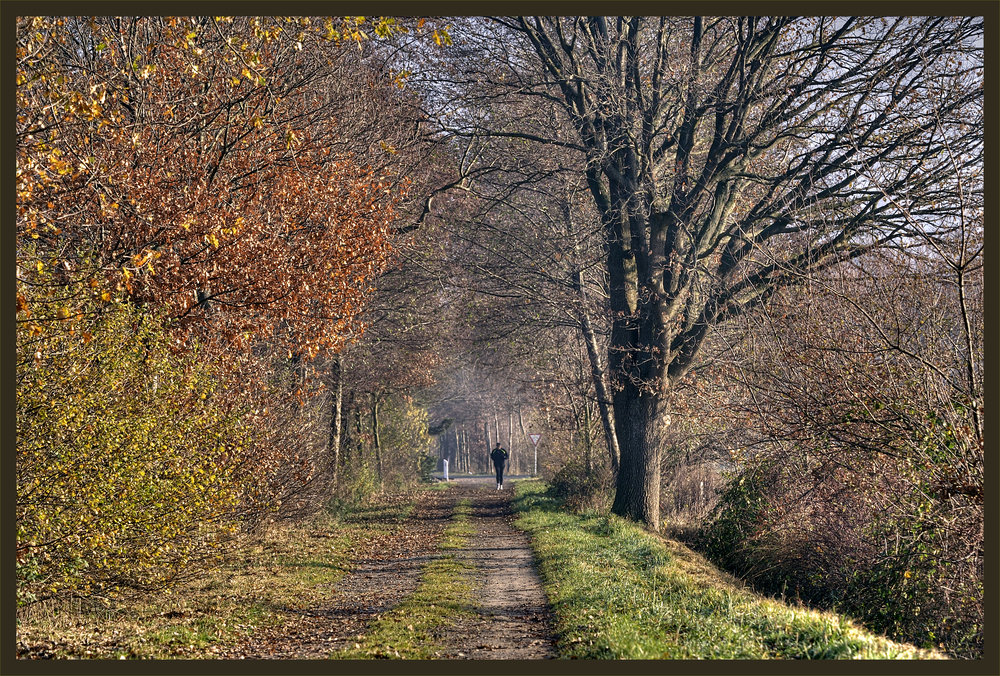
[[534, 440]]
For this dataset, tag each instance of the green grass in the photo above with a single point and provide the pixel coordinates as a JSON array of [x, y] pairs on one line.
[[414, 628], [294, 567], [620, 592], [437, 486]]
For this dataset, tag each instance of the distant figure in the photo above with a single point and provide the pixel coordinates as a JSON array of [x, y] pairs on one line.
[[499, 456]]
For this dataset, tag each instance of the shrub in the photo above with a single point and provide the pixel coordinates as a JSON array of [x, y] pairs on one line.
[[877, 538], [428, 463], [128, 474], [581, 490]]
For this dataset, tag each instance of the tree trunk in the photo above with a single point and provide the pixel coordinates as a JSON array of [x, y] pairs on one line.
[[359, 447], [524, 433], [467, 462], [375, 438], [600, 387], [637, 494], [510, 438], [336, 417], [588, 440], [489, 443]]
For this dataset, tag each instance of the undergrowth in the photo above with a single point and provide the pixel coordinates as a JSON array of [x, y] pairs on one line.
[[295, 566], [620, 592]]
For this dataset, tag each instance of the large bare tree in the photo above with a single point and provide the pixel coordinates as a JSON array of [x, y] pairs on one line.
[[726, 157]]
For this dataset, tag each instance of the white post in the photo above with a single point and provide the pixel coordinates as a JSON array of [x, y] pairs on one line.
[[446, 469]]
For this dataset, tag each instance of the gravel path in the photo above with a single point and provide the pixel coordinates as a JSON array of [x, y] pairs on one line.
[[379, 579], [513, 620]]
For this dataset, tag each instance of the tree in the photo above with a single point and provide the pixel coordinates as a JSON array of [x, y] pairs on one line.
[[726, 157], [230, 128], [203, 205]]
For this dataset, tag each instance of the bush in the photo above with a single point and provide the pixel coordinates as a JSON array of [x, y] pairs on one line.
[[875, 539], [428, 463], [129, 472], [581, 490]]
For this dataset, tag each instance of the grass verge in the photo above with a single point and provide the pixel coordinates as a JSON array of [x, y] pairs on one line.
[[295, 566], [620, 592], [414, 628]]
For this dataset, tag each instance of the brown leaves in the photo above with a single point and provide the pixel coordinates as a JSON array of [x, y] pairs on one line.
[[209, 188]]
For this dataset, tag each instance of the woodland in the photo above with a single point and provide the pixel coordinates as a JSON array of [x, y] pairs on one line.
[[729, 268]]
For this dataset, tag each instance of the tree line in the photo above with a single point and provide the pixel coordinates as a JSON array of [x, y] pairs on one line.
[[730, 267]]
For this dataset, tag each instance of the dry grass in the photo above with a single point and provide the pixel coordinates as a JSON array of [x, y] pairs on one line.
[[294, 566]]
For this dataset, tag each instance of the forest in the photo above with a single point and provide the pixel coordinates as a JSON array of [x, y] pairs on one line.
[[730, 269]]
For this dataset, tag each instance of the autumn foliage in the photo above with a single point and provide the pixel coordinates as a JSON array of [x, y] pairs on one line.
[[191, 163], [191, 216]]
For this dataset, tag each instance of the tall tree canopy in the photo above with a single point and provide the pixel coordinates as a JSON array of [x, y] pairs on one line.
[[726, 158]]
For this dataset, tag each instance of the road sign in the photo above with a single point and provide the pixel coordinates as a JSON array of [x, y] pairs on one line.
[[534, 440]]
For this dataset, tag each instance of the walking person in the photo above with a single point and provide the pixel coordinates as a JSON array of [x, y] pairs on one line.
[[499, 457]]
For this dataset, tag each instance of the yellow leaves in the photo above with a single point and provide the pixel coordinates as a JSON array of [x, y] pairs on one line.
[[187, 222], [106, 297], [40, 267], [399, 80], [441, 37], [63, 312], [142, 258], [332, 34], [211, 238], [257, 122]]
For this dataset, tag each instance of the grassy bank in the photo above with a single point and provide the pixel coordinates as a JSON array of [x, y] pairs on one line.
[[295, 566], [413, 629], [619, 592]]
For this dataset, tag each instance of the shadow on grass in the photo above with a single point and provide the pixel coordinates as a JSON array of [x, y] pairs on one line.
[[314, 564]]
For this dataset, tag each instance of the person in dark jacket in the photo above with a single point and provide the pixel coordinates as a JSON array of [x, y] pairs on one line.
[[499, 457]]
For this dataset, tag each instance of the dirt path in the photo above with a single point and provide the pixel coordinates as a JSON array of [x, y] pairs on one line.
[[512, 621], [382, 576]]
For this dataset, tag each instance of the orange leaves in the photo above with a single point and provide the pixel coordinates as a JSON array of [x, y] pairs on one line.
[[257, 227]]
